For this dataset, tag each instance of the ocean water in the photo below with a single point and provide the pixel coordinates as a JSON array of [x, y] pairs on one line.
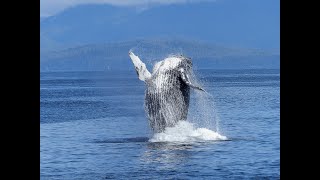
[[93, 126]]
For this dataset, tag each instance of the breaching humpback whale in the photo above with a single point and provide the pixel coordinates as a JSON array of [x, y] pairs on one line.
[[167, 92]]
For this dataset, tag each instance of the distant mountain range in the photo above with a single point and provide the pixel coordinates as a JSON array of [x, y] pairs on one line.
[[245, 23], [115, 55]]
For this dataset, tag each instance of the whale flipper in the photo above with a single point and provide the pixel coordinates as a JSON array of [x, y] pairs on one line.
[[140, 67], [185, 78]]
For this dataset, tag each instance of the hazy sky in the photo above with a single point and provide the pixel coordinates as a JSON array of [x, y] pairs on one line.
[[52, 7], [247, 23]]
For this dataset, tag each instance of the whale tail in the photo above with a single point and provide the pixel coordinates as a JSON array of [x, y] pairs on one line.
[[140, 67]]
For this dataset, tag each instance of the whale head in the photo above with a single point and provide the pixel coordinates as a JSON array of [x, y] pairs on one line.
[[173, 62]]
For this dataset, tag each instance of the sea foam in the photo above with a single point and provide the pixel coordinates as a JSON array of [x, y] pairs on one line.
[[185, 131]]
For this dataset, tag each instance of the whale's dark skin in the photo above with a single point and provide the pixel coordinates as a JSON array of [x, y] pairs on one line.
[[167, 94]]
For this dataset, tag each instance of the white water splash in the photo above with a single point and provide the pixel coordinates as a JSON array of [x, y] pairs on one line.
[[185, 131], [203, 111]]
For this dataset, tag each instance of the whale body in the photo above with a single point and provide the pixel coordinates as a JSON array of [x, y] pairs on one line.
[[167, 92]]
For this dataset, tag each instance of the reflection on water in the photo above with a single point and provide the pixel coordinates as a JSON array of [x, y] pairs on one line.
[[166, 155]]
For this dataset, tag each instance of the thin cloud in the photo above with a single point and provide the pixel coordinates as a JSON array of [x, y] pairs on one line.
[[52, 7]]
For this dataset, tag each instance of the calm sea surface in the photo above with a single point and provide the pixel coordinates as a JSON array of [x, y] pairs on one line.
[[93, 126]]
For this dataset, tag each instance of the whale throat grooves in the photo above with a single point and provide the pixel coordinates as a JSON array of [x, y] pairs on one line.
[[166, 100]]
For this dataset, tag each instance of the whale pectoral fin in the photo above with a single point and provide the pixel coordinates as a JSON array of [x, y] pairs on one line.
[[186, 79], [140, 67], [197, 87]]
